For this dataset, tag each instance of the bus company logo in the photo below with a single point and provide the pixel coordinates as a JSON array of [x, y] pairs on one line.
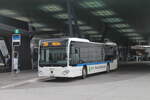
[[91, 68]]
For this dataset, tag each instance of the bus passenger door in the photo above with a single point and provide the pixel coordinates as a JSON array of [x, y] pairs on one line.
[[74, 56], [74, 60]]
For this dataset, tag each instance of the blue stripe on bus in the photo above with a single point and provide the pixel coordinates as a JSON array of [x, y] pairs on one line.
[[94, 63]]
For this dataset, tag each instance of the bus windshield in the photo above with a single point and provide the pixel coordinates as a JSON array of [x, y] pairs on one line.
[[53, 56]]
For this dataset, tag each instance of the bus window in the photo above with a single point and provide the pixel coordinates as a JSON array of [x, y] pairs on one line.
[[74, 56], [110, 52]]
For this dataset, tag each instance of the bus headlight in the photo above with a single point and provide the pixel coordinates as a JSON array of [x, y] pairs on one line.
[[65, 72]]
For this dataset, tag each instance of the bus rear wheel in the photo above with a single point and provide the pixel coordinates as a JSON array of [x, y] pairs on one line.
[[84, 73]]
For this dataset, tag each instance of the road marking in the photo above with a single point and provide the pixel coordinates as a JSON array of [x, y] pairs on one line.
[[19, 83]]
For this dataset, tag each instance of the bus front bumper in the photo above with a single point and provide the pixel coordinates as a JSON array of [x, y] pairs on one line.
[[59, 72]]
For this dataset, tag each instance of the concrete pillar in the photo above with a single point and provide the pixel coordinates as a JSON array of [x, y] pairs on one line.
[[25, 53]]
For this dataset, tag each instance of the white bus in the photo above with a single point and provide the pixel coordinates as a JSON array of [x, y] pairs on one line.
[[73, 57]]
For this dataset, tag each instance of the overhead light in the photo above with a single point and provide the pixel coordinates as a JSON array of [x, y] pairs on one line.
[[103, 13], [112, 20], [52, 8], [7, 12], [120, 25], [46, 29], [143, 41], [58, 34], [132, 34], [22, 19], [85, 28], [81, 23], [92, 4], [96, 36], [90, 32], [127, 30], [61, 16], [136, 38], [38, 25]]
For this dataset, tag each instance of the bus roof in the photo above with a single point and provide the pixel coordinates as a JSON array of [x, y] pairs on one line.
[[110, 43], [79, 39], [70, 39]]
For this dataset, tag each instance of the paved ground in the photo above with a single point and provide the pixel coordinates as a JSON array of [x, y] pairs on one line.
[[130, 82], [7, 79]]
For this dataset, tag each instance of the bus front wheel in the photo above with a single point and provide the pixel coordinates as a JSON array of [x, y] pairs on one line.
[[84, 73]]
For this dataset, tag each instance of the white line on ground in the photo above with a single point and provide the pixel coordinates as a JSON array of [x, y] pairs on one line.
[[19, 83]]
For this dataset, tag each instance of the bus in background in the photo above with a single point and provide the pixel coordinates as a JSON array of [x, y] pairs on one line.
[[74, 57]]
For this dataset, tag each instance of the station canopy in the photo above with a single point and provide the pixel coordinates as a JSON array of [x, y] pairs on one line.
[[125, 21]]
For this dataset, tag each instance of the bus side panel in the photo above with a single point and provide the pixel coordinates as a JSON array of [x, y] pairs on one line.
[[90, 69], [75, 71], [96, 68], [100, 68]]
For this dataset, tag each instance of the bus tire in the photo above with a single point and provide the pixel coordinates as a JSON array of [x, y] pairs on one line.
[[108, 68], [84, 73]]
